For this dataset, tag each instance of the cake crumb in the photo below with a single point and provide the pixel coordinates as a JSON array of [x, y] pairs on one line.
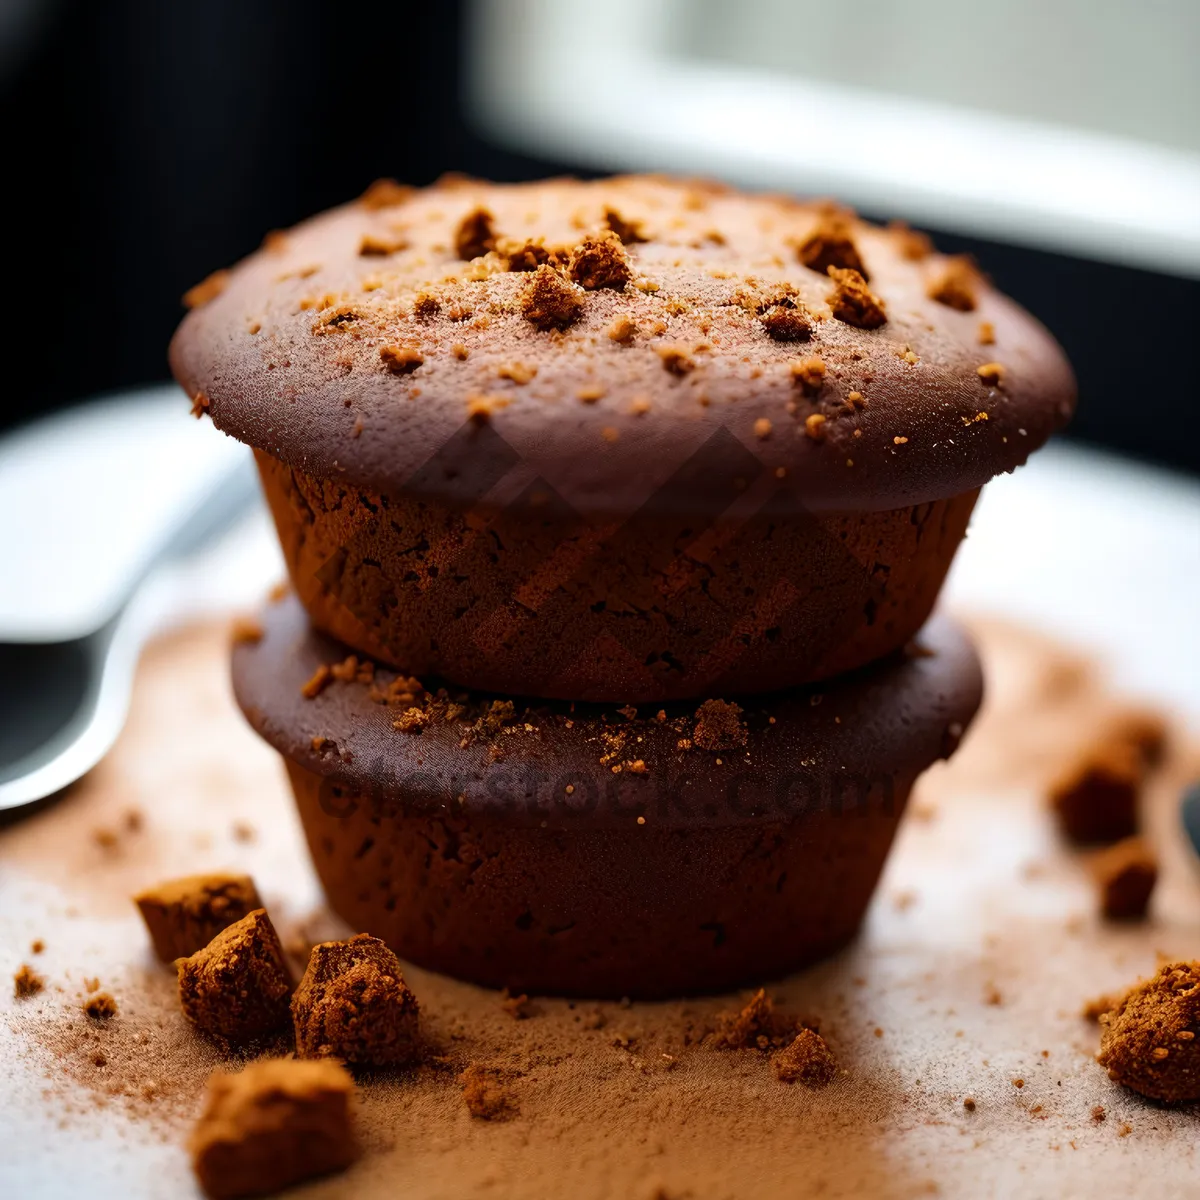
[[910, 243], [385, 193], [354, 1004], [207, 289], [236, 988], [27, 982], [675, 359], [991, 373], [1096, 799], [402, 690], [1098, 1113], [600, 262], [807, 1060], [969, 1103], [105, 838], [317, 682], [426, 306], [550, 302], [517, 1006], [100, 1007], [481, 408], [37, 946], [590, 393], [1126, 873], [622, 329], [200, 404], [957, 286], [1148, 1040], [853, 302], [987, 333], [276, 1123], [474, 236], [518, 372], [830, 245], [401, 360], [809, 373], [719, 726], [628, 232], [529, 255], [412, 720], [184, 915], [485, 1093], [353, 670], [786, 321], [246, 631], [374, 245], [814, 426], [762, 428]]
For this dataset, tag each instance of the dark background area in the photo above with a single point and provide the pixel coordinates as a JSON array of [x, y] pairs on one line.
[[152, 141]]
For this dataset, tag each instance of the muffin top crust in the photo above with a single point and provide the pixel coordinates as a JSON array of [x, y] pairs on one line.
[[622, 341]]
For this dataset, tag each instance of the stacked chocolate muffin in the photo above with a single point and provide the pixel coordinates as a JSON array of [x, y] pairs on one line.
[[615, 513]]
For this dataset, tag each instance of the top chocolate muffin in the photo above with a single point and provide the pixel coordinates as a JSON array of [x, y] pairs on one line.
[[606, 331], [625, 440]]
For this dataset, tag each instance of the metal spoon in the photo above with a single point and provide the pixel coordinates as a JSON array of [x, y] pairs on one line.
[[74, 615]]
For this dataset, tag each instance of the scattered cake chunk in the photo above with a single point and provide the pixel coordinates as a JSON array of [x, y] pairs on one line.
[[27, 982], [1148, 1042], [184, 915], [277, 1123], [485, 1094], [1126, 873], [1096, 800], [807, 1059], [100, 1007], [353, 1004], [236, 989], [758, 1026]]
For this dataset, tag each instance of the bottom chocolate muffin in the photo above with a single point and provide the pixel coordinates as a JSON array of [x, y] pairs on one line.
[[592, 850]]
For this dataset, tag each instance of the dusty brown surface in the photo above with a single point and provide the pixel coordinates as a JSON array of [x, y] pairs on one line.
[[980, 951]]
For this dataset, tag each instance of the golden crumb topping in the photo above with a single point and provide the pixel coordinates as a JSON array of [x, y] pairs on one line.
[[853, 302], [475, 235], [550, 302], [957, 286]]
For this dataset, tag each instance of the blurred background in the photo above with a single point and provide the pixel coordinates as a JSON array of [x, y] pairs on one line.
[[1059, 142]]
